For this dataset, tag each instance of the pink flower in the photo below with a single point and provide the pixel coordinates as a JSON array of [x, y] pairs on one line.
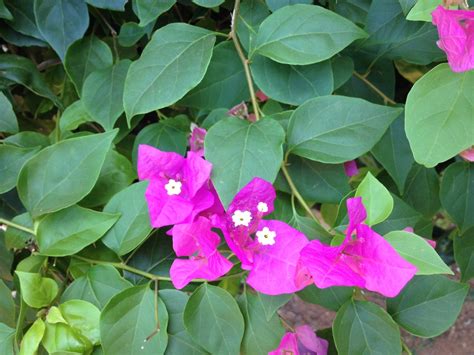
[[365, 259], [240, 111], [178, 188], [199, 243], [268, 248], [456, 36], [350, 168], [304, 341], [468, 154], [196, 139], [261, 96]]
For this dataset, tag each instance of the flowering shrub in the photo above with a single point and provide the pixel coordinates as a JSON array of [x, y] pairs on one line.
[[174, 172]]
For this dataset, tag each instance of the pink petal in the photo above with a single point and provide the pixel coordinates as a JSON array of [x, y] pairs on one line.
[[196, 140], [288, 345], [152, 163], [190, 237], [456, 36], [350, 168], [310, 342], [409, 229], [196, 172], [468, 154], [357, 214], [274, 266]]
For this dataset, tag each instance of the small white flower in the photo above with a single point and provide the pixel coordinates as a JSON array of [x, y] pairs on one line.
[[266, 236], [173, 187], [241, 218], [262, 207], [3, 227]]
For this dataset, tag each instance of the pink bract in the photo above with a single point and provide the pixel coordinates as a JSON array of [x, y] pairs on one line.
[[350, 168], [468, 154], [164, 170], [365, 259], [456, 36], [304, 341], [199, 243], [196, 140]]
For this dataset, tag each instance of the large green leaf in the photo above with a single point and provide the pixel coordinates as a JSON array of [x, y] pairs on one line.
[[97, 286], [28, 139], [37, 291], [447, 128], [331, 298], [428, 305], [12, 159], [32, 338], [376, 198], [70, 230], [24, 17], [83, 317], [261, 334], [464, 254], [213, 319], [319, 35], [323, 130], [179, 341], [172, 63], [239, 151], [85, 56], [128, 324], [362, 327], [7, 337], [422, 10], [73, 116], [62, 174], [394, 153], [418, 252], [457, 194], [61, 338], [272, 303], [251, 15], [276, 4], [4, 12], [114, 5], [208, 3], [8, 122], [292, 84], [102, 94], [422, 190], [149, 10], [224, 84], [7, 305], [133, 226], [61, 22]]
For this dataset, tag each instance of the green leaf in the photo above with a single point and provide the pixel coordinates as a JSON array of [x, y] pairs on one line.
[[239, 151], [57, 236], [331, 298], [271, 303], [179, 341], [428, 305], [224, 84], [103, 94], [24, 18], [62, 174], [319, 35], [114, 5], [7, 305], [8, 122], [422, 10], [276, 4], [61, 22], [394, 153], [7, 336], [18, 39], [62, 338], [127, 322], [208, 3], [156, 80], [4, 12], [28, 139], [73, 116], [20, 70], [418, 252], [149, 10], [131, 33], [97, 286], [333, 136], [83, 317], [251, 15], [422, 190], [6, 260], [261, 334], [342, 69], [12, 160], [37, 291], [18, 239], [133, 226], [32, 339], [407, 5], [376, 198], [447, 129], [402, 216], [457, 194], [292, 84], [464, 254], [213, 319], [362, 327], [85, 56]]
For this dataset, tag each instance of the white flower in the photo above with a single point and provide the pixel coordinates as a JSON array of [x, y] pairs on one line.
[[241, 218], [173, 187], [266, 236], [262, 207]]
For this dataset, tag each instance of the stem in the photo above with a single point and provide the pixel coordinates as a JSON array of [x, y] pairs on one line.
[[20, 322], [385, 98], [113, 34], [245, 61], [16, 226], [406, 348]]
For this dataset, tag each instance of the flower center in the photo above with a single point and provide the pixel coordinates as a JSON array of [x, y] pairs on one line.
[[241, 218], [262, 207], [173, 187], [266, 236]]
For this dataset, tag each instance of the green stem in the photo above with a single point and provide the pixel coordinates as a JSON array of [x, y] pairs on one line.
[[243, 58], [20, 322], [16, 226], [406, 348]]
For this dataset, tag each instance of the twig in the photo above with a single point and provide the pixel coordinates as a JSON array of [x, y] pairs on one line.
[[48, 64], [16, 226], [243, 58], [385, 98]]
